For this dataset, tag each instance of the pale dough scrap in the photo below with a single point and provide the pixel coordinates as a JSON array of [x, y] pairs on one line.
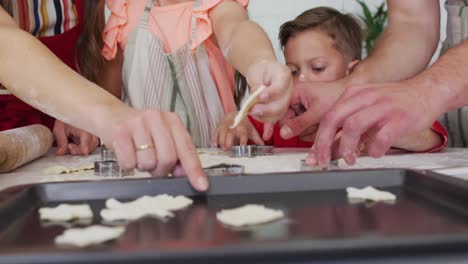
[[65, 212], [163, 201], [369, 194], [93, 235], [251, 101], [160, 206], [55, 170], [248, 215]]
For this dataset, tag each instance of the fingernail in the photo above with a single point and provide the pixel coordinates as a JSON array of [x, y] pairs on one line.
[[351, 158], [202, 183], [311, 159], [286, 132]]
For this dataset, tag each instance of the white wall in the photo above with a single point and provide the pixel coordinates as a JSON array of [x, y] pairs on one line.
[[270, 14]]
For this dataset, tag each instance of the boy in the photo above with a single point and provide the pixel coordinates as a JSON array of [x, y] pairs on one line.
[[320, 45]]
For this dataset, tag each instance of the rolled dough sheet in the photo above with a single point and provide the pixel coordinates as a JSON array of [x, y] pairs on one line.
[[160, 206], [248, 215], [369, 194], [55, 170], [93, 235], [65, 212], [251, 101]]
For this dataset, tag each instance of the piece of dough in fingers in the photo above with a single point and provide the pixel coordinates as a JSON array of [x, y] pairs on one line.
[[251, 101]]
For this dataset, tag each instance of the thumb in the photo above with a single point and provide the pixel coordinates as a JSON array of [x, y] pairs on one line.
[[296, 126]]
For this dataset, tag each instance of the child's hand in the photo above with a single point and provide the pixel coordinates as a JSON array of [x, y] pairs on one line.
[[82, 143], [225, 137], [274, 101]]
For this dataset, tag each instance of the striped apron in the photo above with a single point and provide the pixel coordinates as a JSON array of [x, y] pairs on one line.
[[456, 121], [179, 82]]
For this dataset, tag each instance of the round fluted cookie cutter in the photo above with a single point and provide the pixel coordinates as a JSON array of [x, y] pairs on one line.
[[110, 168], [250, 151], [224, 169], [107, 154], [243, 151]]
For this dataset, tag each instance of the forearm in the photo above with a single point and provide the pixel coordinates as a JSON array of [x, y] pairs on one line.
[[31, 72], [405, 47], [420, 142], [250, 45], [242, 41], [445, 83]]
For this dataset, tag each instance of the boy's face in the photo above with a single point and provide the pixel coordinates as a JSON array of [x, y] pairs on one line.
[[312, 56]]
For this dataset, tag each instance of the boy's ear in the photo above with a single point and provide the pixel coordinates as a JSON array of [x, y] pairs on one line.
[[351, 66]]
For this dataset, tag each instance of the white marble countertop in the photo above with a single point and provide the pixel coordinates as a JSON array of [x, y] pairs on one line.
[[455, 162]]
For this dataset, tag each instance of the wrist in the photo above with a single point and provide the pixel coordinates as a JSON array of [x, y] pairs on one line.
[[256, 71], [434, 94], [108, 117]]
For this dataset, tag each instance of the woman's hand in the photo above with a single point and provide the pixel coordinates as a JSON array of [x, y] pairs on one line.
[[274, 101], [156, 142], [225, 137]]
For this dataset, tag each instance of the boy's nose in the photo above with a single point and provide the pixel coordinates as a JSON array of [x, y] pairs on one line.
[[302, 77]]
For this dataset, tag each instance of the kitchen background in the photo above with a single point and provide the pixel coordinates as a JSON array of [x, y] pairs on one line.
[[270, 14]]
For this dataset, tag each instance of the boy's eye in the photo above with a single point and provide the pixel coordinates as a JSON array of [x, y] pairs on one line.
[[294, 72], [318, 69]]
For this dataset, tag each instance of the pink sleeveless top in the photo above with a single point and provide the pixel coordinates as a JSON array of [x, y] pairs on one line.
[[172, 24]]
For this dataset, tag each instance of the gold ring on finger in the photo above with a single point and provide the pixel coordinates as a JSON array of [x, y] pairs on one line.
[[145, 147]]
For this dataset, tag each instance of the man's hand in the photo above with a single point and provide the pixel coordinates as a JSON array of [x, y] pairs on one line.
[[74, 141], [374, 115], [316, 98]]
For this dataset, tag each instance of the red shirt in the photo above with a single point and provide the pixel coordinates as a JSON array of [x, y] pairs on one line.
[[15, 113], [278, 142]]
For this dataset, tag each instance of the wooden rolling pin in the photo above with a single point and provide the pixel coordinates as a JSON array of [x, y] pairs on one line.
[[22, 145]]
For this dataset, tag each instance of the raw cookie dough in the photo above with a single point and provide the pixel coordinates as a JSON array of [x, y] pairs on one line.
[[65, 212], [247, 215], [55, 170], [160, 206], [163, 201], [251, 101], [369, 194], [93, 235]]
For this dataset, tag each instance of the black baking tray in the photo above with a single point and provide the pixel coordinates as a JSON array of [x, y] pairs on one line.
[[429, 217]]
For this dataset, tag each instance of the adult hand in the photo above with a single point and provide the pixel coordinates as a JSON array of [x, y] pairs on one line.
[[274, 101], [374, 115], [226, 137], [74, 141], [154, 141], [310, 101]]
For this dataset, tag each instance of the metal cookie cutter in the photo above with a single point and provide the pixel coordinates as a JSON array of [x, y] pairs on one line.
[[306, 167], [264, 150], [251, 151], [224, 169], [108, 166]]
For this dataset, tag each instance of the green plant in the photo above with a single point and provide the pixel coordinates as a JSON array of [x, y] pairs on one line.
[[374, 22]]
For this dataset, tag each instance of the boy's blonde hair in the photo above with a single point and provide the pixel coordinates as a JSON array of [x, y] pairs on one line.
[[344, 29]]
